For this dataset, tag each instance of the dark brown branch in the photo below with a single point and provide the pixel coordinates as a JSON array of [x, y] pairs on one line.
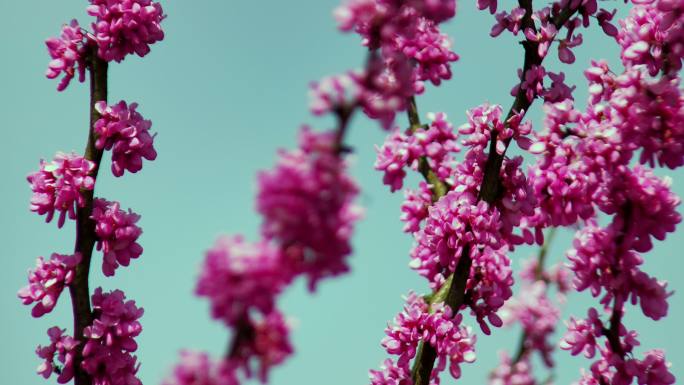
[[85, 226]]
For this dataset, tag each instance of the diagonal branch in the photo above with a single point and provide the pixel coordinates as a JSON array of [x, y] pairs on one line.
[[452, 292]]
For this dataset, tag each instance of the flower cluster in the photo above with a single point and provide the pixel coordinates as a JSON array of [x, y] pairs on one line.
[[68, 55], [435, 324], [125, 27], [410, 50], [307, 205], [435, 144], [123, 130], [117, 234], [122, 27], [240, 277], [47, 281], [110, 340], [58, 186], [63, 347], [652, 35]]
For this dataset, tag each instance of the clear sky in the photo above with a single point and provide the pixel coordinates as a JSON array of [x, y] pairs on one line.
[[225, 89]]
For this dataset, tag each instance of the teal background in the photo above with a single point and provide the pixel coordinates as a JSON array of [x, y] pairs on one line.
[[225, 89]]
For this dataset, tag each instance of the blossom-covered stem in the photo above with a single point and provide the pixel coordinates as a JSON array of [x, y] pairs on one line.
[[538, 275], [85, 226], [489, 190], [490, 184], [439, 188]]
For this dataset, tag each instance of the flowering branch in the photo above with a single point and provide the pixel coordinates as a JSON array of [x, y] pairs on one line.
[[454, 288], [85, 225]]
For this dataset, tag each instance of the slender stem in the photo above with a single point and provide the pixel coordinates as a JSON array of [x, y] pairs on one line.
[[539, 276], [489, 191], [85, 226]]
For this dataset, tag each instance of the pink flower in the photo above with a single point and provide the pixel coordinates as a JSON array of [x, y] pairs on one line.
[[68, 53], [238, 276], [511, 22], [58, 185], [453, 343], [125, 27], [308, 209], [430, 50], [117, 234], [123, 130], [63, 347], [47, 281], [390, 374], [197, 368], [544, 36], [582, 335], [107, 354], [654, 370]]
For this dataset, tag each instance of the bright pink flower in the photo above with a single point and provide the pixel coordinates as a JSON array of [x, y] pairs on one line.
[[308, 209], [117, 234], [430, 50], [390, 374], [123, 130], [654, 370], [453, 343], [490, 285], [559, 91], [532, 82], [238, 276], [107, 354], [544, 36], [511, 22], [125, 27], [487, 4], [582, 335], [63, 347], [47, 281], [68, 53], [58, 184]]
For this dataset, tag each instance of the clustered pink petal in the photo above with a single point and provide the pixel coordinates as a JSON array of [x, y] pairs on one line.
[[125, 27], [58, 184], [239, 277], [652, 35], [582, 335], [454, 344], [436, 144], [411, 50], [595, 256], [490, 285], [123, 130], [47, 281], [64, 348], [308, 209], [506, 21], [117, 234], [198, 368], [390, 374], [110, 340], [68, 53], [453, 222]]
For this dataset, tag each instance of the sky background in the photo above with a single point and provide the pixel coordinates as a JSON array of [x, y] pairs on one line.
[[225, 90]]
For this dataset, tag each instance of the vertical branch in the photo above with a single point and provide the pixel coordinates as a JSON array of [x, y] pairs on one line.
[[85, 226]]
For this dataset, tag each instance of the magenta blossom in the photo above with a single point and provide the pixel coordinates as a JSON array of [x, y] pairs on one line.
[[57, 186], [125, 27], [63, 348], [123, 130], [117, 234], [47, 281], [68, 53]]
